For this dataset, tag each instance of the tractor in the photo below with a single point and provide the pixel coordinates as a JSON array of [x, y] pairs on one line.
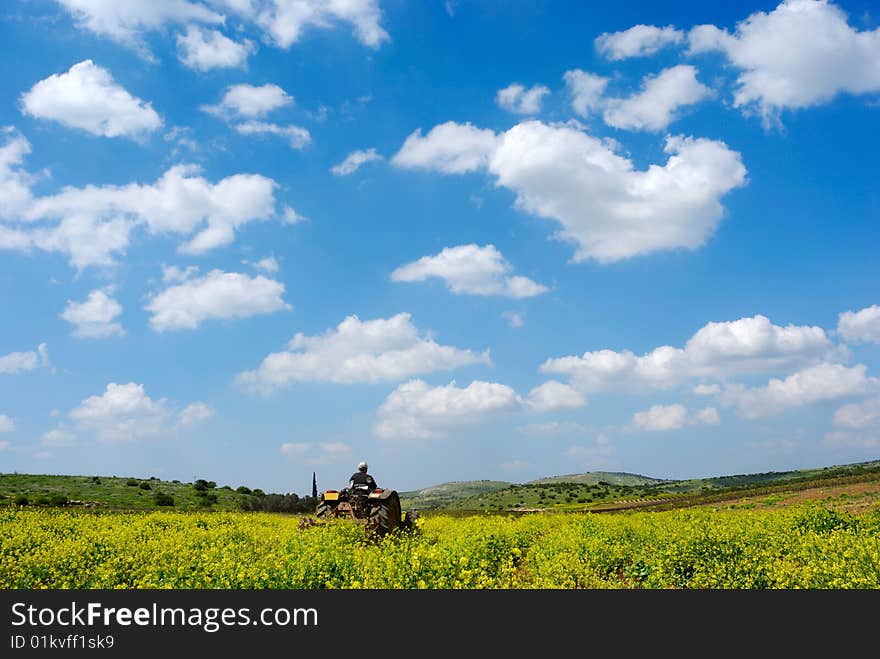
[[379, 511]]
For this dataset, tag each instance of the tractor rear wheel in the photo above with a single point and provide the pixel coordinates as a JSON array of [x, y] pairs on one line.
[[323, 511], [385, 515]]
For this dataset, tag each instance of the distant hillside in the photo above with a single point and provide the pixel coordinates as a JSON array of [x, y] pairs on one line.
[[599, 490], [120, 493], [441, 496], [595, 477]]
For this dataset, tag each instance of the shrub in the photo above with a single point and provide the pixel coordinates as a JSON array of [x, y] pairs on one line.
[[131, 482], [243, 490], [201, 485], [58, 500], [146, 486], [162, 499], [21, 500], [97, 480]]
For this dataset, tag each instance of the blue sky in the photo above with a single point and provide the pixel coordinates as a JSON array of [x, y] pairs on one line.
[[246, 240]]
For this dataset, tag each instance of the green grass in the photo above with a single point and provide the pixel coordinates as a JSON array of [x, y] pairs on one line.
[[111, 492]]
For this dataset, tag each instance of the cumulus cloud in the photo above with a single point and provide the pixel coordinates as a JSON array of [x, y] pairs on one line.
[[217, 295], [415, 410], [95, 317], [194, 414], [87, 97], [124, 412], [297, 136], [285, 20], [811, 385], [553, 395], [586, 91], [250, 101], [58, 437], [519, 100], [661, 417], [206, 50], [673, 417], [6, 424], [15, 183], [860, 326], [658, 103], [801, 54], [94, 224], [17, 362], [637, 41], [354, 160], [553, 429], [450, 148], [126, 22], [317, 454], [268, 264], [718, 350], [470, 269], [859, 416], [358, 351], [606, 207], [515, 319]]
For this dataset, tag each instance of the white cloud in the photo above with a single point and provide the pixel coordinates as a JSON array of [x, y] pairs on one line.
[[15, 183], [172, 273], [553, 395], [124, 412], [657, 104], [58, 437], [4, 445], [708, 416], [268, 264], [16, 362], [707, 389], [354, 160], [637, 41], [217, 295], [673, 417], [95, 317], [6, 424], [297, 136], [194, 413], [470, 269], [87, 97], [586, 90], [250, 101], [450, 148], [801, 54], [285, 20], [610, 210], [95, 222], [811, 385], [718, 350], [860, 326], [358, 351], [206, 50], [415, 410], [661, 417], [859, 416], [519, 100], [316, 454], [126, 21]]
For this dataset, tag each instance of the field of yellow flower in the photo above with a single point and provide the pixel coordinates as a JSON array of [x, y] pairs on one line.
[[797, 547]]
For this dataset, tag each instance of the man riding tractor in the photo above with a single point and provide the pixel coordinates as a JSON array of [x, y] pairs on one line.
[[378, 508]]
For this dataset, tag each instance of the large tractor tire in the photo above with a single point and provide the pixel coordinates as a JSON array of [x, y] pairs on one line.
[[385, 515], [323, 511]]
